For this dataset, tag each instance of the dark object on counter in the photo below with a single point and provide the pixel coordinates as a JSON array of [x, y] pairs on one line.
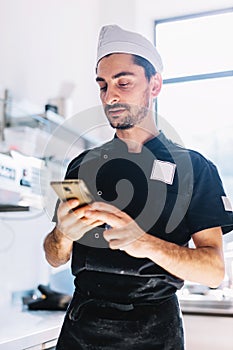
[[52, 108], [13, 207], [50, 300]]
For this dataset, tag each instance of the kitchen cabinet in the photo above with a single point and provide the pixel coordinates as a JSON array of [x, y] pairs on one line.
[[208, 332], [44, 346], [50, 345], [29, 330]]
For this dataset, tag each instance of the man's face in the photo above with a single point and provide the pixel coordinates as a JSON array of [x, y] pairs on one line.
[[124, 90]]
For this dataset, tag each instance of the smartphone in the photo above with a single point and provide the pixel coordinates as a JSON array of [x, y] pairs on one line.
[[72, 189]]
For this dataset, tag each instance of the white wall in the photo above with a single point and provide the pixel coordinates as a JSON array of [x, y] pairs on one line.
[[22, 261], [47, 49], [121, 12], [147, 11]]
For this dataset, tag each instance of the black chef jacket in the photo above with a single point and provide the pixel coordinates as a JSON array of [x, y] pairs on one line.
[[171, 192]]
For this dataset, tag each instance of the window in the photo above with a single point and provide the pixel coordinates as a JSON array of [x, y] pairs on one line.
[[197, 96]]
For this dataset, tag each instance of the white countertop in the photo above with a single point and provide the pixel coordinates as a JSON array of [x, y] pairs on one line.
[[22, 329], [200, 304], [197, 310]]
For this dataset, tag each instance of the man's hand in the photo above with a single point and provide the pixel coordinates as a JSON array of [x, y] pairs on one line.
[[71, 226], [72, 222], [124, 233]]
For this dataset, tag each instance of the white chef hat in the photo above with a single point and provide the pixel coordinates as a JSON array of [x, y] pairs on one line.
[[114, 39]]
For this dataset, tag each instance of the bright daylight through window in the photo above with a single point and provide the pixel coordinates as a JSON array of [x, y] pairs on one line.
[[196, 98]]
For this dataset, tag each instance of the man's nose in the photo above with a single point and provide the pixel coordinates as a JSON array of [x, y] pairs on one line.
[[111, 96]]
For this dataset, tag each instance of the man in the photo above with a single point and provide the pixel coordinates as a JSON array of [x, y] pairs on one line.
[[129, 248]]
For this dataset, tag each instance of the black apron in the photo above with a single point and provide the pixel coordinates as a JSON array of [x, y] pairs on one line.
[[92, 324]]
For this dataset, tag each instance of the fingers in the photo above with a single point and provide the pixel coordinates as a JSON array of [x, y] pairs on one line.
[[124, 232], [75, 232], [75, 222], [72, 222], [67, 206], [121, 238], [67, 211], [116, 241], [110, 219], [108, 214], [102, 206]]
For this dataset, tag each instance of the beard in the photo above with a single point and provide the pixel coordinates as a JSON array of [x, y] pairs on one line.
[[131, 115]]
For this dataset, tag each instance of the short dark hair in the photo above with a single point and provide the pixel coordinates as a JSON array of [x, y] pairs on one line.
[[148, 67]]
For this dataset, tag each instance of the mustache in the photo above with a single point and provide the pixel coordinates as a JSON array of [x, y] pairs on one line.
[[116, 106]]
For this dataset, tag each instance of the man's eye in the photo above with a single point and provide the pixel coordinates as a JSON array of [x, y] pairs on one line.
[[123, 84]]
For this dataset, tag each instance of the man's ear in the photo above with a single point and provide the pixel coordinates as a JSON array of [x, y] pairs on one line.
[[156, 84]]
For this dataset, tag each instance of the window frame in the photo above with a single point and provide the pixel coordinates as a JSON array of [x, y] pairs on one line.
[[192, 77]]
